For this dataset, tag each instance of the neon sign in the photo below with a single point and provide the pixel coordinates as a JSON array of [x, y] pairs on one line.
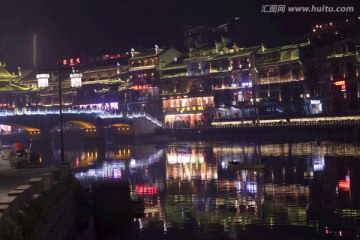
[[141, 87], [110, 56], [345, 184], [342, 84], [70, 62], [146, 190]]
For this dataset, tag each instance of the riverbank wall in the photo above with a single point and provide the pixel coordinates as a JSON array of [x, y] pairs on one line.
[[44, 207], [281, 132]]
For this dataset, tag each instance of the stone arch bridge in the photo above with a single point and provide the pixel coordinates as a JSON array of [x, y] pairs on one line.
[[41, 124]]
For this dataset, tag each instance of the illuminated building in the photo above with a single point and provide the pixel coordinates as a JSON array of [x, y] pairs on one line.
[[144, 80], [14, 94], [187, 98], [281, 88], [105, 83], [233, 78], [343, 76], [218, 79], [335, 58], [48, 96]]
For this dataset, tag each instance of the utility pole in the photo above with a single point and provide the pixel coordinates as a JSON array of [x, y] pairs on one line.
[[61, 118]]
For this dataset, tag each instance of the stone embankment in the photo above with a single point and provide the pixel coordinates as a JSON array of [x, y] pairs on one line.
[[40, 203]]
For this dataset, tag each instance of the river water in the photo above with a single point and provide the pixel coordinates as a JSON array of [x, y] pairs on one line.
[[309, 190]]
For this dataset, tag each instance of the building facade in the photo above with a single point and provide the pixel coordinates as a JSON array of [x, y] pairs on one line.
[[216, 79]]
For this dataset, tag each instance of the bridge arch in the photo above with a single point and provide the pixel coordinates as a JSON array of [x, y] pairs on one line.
[[76, 125], [26, 128], [82, 124], [118, 125]]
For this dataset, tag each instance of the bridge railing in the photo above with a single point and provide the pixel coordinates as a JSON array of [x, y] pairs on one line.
[[67, 110], [107, 114]]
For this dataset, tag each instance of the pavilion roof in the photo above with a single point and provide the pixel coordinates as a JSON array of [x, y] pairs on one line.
[[4, 74]]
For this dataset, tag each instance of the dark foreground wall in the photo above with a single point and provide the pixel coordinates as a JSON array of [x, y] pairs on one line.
[[112, 210], [44, 208]]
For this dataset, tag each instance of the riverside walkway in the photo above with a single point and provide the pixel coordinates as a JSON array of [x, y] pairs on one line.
[[50, 191], [11, 178], [309, 128]]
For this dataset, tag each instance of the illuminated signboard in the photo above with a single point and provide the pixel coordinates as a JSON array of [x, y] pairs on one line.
[[342, 84], [76, 79], [70, 62], [43, 80], [111, 56], [141, 87], [246, 84], [146, 190], [345, 184]]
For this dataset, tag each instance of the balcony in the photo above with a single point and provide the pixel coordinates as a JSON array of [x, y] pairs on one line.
[[174, 75], [189, 109], [143, 67], [218, 70], [198, 72]]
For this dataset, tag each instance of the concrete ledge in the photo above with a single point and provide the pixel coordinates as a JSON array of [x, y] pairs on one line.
[[28, 192], [13, 204], [20, 194], [38, 185], [64, 169], [56, 174], [48, 180], [4, 208]]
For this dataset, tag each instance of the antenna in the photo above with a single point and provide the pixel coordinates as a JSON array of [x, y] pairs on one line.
[[34, 51]]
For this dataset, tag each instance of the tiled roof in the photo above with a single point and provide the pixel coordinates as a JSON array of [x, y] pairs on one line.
[[13, 87], [178, 64], [242, 52], [174, 65], [196, 58], [150, 53], [278, 62], [281, 48], [4, 74]]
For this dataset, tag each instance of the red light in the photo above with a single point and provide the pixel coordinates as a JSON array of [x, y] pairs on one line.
[[342, 84], [345, 184], [146, 190], [64, 62]]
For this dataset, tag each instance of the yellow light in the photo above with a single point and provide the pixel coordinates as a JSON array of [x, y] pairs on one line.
[[339, 83]]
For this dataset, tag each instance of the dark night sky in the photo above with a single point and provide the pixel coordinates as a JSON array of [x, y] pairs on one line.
[[67, 28]]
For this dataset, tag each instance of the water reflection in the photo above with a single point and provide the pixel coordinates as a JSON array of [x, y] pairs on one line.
[[310, 190]]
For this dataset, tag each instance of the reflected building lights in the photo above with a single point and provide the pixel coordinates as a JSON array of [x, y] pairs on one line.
[[290, 149], [191, 172]]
